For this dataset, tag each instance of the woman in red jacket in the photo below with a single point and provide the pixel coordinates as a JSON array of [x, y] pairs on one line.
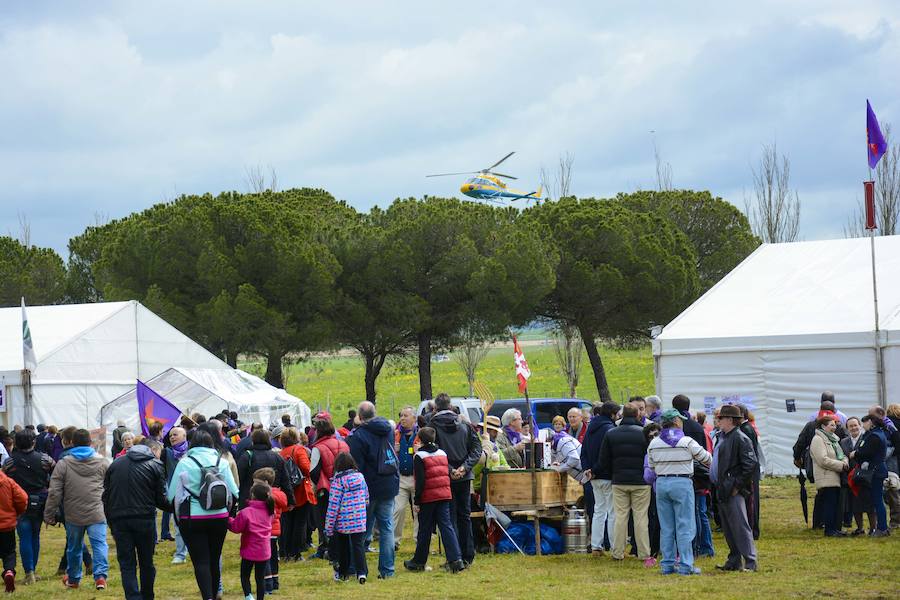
[[13, 502], [294, 521]]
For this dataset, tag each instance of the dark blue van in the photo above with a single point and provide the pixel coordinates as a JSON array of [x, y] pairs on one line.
[[543, 409]]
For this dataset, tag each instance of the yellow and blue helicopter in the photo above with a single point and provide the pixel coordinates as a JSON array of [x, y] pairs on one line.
[[488, 185]]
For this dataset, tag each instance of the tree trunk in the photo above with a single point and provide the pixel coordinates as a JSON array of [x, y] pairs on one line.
[[596, 364], [424, 340], [374, 363], [274, 374], [231, 357]]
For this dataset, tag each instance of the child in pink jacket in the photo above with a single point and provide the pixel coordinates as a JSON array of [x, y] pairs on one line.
[[254, 523]]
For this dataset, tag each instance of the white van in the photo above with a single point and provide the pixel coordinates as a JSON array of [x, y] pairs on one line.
[[471, 407]]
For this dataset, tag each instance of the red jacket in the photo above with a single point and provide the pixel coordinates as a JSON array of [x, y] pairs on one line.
[[432, 475], [303, 493], [13, 502], [280, 505], [329, 447]]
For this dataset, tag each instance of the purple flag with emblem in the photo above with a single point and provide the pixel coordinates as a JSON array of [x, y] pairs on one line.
[[154, 408], [875, 144]]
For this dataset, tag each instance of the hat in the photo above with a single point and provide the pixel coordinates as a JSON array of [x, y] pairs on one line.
[[491, 422], [277, 431], [671, 414], [730, 410], [322, 415]]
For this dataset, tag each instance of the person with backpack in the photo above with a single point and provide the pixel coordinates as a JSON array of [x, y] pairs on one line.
[[254, 523], [257, 456], [296, 458], [324, 451], [345, 519], [433, 496], [77, 485], [372, 447], [31, 470], [133, 488], [203, 491]]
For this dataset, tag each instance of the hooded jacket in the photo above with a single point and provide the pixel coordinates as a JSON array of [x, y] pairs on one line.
[[186, 482], [135, 486], [457, 440], [346, 511], [254, 523], [77, 484], [365, 444], [13, 502], [590, 447]]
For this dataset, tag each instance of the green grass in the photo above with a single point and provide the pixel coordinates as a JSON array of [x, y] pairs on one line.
[[793, 560], [337, 382]]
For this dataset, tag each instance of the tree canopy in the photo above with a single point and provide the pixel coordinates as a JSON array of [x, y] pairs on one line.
[[37, 274]]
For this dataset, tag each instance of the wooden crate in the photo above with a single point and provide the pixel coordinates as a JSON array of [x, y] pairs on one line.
[[513, 489]]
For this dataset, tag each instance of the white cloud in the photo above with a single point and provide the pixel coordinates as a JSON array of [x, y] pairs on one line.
[[114, 108]]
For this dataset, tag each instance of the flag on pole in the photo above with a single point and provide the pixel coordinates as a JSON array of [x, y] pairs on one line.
[[153, 408], [875, 144], [522, 370], [27, 344]]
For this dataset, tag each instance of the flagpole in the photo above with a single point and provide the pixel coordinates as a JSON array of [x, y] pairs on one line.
[[879, 357], [533, 448]]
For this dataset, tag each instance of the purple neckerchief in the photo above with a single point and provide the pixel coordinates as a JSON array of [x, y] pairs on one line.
[[649, 474], [404, 431], [889, 425], [655, 416], [671, 435], [179, 449], [512, 435]]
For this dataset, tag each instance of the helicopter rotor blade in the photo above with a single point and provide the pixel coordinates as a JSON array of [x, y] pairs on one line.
[[502, 175], [448, 174], [496, 164]]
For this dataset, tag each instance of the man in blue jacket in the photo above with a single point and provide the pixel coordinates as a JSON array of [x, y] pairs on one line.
[[372, 447], [603, 520]]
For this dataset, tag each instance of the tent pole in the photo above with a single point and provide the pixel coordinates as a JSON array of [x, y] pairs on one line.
[[879, 357]]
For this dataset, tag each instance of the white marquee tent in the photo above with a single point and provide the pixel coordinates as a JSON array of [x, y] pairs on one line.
[[209, 391], [90, 354], [789, 322]]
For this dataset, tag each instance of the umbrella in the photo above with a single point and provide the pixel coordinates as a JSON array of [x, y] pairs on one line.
[[803, 498]]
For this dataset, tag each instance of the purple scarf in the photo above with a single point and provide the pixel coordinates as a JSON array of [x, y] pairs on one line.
[[671, 435], [179, 449], [512, 435]]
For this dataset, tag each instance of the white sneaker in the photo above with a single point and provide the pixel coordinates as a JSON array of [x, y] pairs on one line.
[[178, 561], [249, 597]]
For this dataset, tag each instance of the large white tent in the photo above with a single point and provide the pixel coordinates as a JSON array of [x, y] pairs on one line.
[[789, 322], [90, 354]]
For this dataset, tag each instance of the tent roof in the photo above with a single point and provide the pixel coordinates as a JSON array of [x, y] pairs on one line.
[[51, 327], [797, 294]]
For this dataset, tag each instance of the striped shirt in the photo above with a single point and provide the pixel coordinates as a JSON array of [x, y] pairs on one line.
[[678, 459]]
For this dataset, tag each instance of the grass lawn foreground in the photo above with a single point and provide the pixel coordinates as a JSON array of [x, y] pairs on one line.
[[794, 562]]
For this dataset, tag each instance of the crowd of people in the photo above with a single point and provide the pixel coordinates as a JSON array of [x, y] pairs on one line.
[[657, 477], [853, 463]]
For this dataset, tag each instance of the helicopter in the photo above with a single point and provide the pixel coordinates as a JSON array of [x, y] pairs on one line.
[[488, 185]]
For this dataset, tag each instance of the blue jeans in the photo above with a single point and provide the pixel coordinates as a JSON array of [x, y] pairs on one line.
[[29, 530], [677, 524], [74, 539], [382, 511], [703, 544], [165, 530], [878, 498]]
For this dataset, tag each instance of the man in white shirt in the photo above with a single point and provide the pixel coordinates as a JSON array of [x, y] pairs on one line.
[[671, 456]]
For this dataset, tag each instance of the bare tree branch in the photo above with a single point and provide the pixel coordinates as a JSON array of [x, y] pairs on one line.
[[568, 351], [774, 211], [472, 349], [887, 195], [663, 171], [558, 183], [256, 181], [24, 229]]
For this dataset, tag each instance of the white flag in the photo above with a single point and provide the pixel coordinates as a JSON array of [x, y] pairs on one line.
[[27, 343]]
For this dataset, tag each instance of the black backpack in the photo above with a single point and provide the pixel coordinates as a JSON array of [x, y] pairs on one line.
[[294, 475], [214, 493]]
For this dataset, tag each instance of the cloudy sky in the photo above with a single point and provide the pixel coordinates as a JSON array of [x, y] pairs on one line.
[[109, 107]]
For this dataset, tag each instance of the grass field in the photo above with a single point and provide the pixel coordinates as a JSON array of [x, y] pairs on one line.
[[337, 382], [794, 562]]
